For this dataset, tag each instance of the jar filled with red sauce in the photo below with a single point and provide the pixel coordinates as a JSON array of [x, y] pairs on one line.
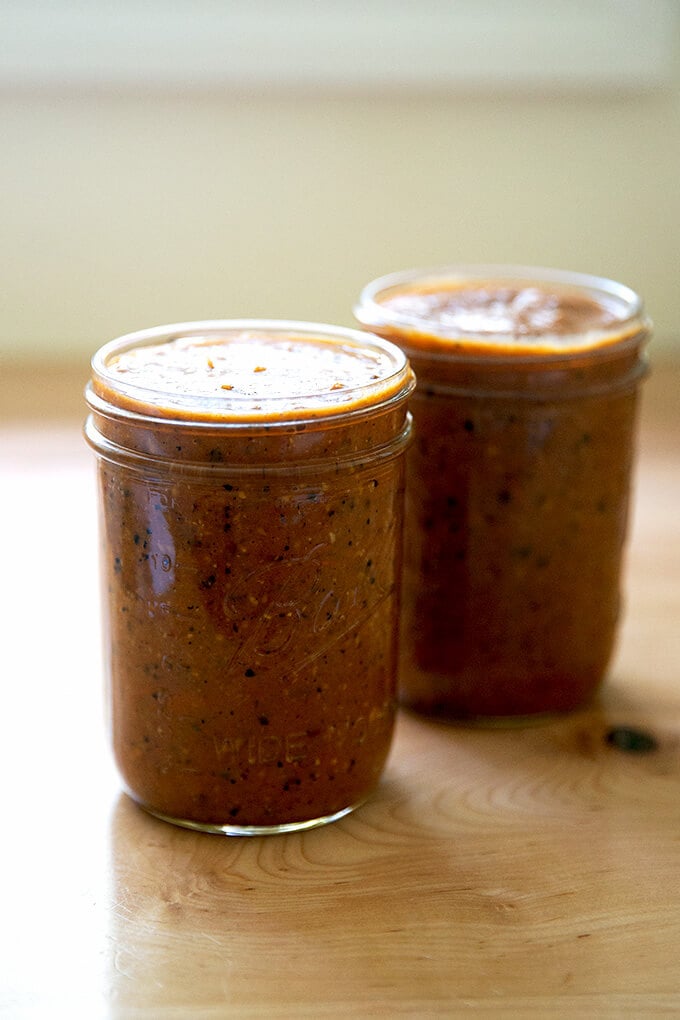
[[518, 482], [251, 481]]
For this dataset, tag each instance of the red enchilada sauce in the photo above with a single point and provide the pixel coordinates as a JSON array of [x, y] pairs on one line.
[[251, 488], [517, 483]]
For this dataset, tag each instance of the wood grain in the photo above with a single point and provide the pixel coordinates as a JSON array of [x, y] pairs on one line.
[[519, 872]]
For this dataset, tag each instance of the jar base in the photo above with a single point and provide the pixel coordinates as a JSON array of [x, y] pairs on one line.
[[233, 829], [519, 720]]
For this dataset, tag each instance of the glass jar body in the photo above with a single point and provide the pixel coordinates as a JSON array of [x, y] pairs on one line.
[[518, 488], [250, 585], [516, 517]]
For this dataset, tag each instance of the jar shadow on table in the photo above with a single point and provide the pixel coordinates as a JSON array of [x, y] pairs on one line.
[[612, 719], [619, 753]]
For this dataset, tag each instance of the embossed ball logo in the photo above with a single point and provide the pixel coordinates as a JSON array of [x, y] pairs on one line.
[[293, 611]]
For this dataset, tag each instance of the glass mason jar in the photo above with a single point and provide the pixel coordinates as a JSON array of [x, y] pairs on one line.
[[517, 482], [251, 479]]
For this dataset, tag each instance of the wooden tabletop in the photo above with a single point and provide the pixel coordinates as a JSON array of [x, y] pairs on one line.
[[519, 872]]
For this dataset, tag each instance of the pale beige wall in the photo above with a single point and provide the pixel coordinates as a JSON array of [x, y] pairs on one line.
[[129, 210]]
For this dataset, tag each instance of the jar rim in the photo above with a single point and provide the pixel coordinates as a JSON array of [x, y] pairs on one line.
[[393, 383], [372, 312]]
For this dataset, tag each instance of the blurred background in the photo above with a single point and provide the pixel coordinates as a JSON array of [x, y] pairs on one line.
[[183, 160]]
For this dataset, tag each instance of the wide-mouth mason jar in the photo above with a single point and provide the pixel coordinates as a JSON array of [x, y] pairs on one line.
[[518, 481], [251, 481]]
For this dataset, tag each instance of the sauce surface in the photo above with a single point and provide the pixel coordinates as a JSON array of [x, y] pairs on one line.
[[251, 581], [505, 315], [249, 374], [517, 491]]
